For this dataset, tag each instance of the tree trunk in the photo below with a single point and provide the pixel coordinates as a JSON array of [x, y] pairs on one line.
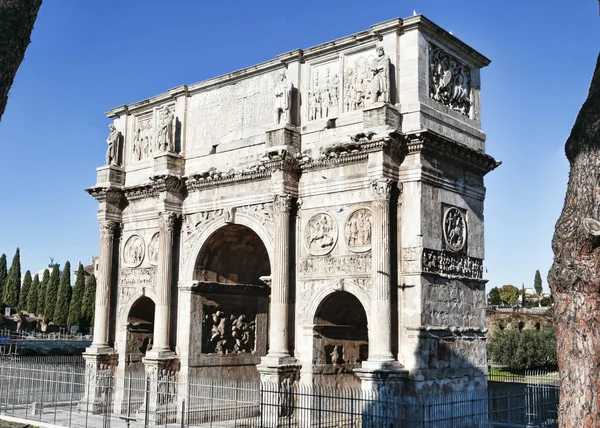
[[16, 23], [575, 275]]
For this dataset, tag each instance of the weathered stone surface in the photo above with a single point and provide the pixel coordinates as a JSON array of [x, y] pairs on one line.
[[317, 217]]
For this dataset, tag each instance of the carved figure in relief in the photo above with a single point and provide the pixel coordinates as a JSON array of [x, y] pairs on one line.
[[321, 234], [228, 333], [112, 153], [454, 229], [165, 133], [142, 140], [380, 88], [358, 230], [450, 81], [153, 249], [133, 253], [283, 99]]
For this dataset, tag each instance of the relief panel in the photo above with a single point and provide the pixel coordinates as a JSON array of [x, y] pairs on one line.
[[228, 331], [449, 81], [357, 230], [143, 137], [133, 251], [324, 92], [320, 234]]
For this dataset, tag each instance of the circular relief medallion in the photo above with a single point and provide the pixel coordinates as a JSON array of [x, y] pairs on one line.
[[153, 249], [455, 229], [133, 252], [358, 230], [321, 234]]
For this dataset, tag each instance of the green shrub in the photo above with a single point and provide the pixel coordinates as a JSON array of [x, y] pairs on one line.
[[524, 350]]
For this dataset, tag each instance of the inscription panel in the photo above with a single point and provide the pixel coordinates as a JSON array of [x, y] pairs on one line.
[[325, 266]]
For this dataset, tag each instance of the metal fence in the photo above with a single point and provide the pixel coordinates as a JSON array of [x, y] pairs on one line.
[[55, 392]]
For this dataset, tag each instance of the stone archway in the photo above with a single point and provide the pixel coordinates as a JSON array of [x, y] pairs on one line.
[[230, 302], [234, 254], [340, 340], [140, 332]]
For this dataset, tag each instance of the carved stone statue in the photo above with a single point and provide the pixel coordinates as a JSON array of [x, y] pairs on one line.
[[165, 133], [113, 140], [283, 99], [380, 83]]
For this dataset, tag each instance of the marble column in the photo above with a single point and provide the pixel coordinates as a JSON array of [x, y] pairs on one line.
[[380, 338], [102, 306], [280, 278], [162, 313]]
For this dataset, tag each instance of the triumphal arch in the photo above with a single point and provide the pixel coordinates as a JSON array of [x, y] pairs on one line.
[[317, 217]]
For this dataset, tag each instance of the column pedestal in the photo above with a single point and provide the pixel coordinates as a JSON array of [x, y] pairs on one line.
[[160, 403], [99, 364]]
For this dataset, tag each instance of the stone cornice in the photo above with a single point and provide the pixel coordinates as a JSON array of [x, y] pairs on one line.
[[428, 142], [443, 37], [168, 183], [261, 171], [140, 191], [110, 194], [355, 151]]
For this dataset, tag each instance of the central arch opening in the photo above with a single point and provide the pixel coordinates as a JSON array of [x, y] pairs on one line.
[[234, 254], [231, 297], [341, 339]]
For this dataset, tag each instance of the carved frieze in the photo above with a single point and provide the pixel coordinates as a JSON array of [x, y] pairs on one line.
[[452, 264], [133, 251], [262, 212], [153, 249], [136, 277], [454, 229], [143, 137], [449, 81], [228, 331], [367, 81], [324, 94], [342, 265], [358, 230], [320, 234]]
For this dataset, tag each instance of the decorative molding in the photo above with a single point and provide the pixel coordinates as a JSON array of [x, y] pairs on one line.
[[166, 220], [342, 265], [320, 234], [107, 227], [381, 189], [223, 288], [142, 191], [168, 183], [452, 265], [357, 230], [282, 204], [428, 142]]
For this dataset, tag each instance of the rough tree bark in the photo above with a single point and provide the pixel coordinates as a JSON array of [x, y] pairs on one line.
[[575, 275], [16, 23]]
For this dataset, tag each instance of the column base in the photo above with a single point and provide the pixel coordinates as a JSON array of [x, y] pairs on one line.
[[99, 363], [277, 373], [161, 392]]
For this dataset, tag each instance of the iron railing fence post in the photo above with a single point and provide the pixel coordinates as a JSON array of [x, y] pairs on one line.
[[146, 410], [55, 398], [71, 396]]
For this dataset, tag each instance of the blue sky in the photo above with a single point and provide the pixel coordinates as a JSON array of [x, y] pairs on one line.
[[89, 56]]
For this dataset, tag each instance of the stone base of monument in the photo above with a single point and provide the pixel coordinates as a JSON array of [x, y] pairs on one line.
[[277, 374], [160, 366], [110, 175], [283, 135], [168, 163], [382, 115], [99, 364]]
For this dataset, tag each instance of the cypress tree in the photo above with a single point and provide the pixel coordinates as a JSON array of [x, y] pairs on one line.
[[41, 305], [75, 309], [537, 282], [63, 299], [51, 292], [25, 291], [12, 285], [3, 274], [89, 302], [32, 296]]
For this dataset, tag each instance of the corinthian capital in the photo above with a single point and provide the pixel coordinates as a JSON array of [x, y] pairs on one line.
[[167, 219], [381, 189], [282, 204], [107, 227]]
